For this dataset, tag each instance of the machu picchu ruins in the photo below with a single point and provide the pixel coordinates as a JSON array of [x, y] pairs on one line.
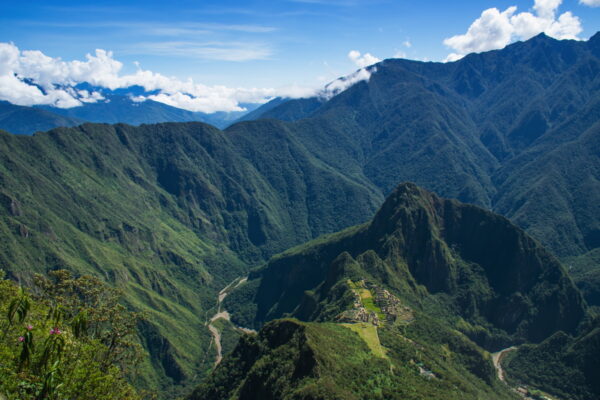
[[375, 305]]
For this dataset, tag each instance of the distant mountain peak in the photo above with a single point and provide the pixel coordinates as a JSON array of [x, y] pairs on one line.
[[541, 36], [407, 195]]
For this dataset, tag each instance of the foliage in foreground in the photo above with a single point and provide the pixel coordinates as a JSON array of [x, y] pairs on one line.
[[69, 338]]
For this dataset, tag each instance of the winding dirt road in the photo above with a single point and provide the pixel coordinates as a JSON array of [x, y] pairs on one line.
[[497, 359], [520, 390], [222, 314]]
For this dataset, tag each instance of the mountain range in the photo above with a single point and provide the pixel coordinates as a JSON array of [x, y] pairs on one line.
[[171, 213], [514, 130], [128, 105], [27, 120]]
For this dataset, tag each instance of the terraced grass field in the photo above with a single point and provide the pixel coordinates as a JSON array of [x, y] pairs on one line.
[[368, 333]]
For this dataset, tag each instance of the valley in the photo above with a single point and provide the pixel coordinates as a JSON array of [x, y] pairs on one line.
[[431, 232], [222, 314]]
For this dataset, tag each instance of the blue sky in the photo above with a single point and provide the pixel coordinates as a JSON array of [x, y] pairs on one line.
[[255, 43]]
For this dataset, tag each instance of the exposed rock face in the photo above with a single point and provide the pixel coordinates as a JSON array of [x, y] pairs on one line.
[[11, 204]]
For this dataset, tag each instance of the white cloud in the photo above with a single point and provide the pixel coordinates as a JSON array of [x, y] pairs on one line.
[[495, 29], [339, 85], [15, 66], [86, 97], [18, 92], [296, 92], [364, 60], [101, 69], [546, 8], [407, 44], [9, 58], [591, 3], [188, 102], [29, 77]]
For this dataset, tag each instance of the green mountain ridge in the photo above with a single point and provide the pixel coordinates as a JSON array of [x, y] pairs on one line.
[[114, 109], [120, 108], [290, 359]]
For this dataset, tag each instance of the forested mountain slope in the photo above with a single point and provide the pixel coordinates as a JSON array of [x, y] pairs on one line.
[[170, 213], [404, 307], [514, 130]]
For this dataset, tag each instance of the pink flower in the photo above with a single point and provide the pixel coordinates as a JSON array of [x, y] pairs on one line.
[[57, 331], [21, 339], [52, 331], [29, 327]]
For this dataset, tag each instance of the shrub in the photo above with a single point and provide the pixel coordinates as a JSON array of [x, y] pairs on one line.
[[68, 338]]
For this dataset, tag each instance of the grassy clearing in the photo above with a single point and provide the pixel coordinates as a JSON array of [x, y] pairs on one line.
[[368, 333]]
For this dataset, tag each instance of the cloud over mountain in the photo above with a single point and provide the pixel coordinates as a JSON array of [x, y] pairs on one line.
[[341, 84], [29, 77], [363, 60], [495, 29]]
